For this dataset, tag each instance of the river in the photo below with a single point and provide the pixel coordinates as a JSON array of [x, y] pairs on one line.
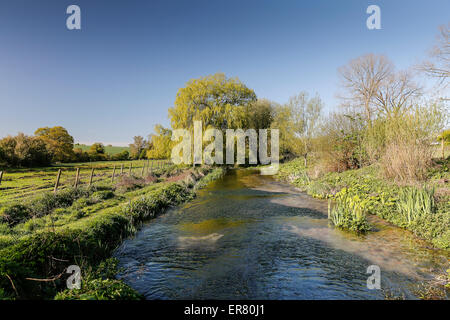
[[247, 236]]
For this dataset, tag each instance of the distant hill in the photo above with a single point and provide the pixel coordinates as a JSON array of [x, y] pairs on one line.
[[108, 149]]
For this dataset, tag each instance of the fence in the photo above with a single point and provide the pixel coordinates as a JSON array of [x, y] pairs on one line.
[[97, 174]]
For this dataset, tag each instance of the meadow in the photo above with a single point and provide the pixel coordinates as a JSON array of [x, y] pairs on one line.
[[111, 150], [21, 183]]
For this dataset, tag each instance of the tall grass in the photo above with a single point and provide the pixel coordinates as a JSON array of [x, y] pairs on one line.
[[414, 204]]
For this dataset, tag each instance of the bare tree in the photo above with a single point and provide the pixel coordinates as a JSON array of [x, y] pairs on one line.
[[439, 64], [396, 94], [362, 78]]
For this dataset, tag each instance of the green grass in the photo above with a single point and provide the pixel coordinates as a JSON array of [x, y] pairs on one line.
[[111, 150], [23, 183]]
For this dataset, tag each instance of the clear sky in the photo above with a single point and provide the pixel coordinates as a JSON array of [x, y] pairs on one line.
[[116, 77]]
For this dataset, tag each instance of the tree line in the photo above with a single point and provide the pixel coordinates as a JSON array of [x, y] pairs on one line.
[[385, 116]]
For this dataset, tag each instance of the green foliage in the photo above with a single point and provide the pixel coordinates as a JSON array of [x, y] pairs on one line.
[[216, 174], [59, 143], [100, 289], [124, 155], [137, 148], [445, 135], [161, 143], [97, 148], [215, 100], [23, 150], [260, 114], [100, 284], [348, 213], [14, 214], [414, 203], [46, 203]]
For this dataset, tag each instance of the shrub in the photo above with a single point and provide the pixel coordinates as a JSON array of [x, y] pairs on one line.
[[127, 183], [45, 204], [102, 195], [100, 284], [406, 161], [14, 214]]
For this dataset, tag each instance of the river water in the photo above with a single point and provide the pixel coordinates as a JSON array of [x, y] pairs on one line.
[[247, 236]]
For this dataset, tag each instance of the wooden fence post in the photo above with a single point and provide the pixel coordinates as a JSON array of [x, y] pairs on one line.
[[90, 178], [77, 177], [57, 181], [151, 170], [130, 169], [114, 173], [1, 176], [442, 146], [121, 169]]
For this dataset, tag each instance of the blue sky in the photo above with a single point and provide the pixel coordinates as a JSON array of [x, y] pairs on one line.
[[117, 76]]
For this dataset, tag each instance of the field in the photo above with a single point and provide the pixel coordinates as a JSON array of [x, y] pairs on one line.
[[111, 150], [19, 184]]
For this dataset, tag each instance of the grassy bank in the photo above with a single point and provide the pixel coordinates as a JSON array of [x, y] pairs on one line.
[[41, 238], [423, 209]]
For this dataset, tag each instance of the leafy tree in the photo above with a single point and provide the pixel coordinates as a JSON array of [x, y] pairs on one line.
[[260, 114], [97, 148], [161, 143], [139, 144], [58, 141], [23, 150], [80, 155], [124, 155], [97, 152], [306, 114], [284, 121], [215, 100]]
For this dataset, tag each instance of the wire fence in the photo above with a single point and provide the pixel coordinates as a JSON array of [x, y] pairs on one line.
[[20, 183]]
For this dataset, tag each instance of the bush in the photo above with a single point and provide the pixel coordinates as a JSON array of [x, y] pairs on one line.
[[127, 183], [15, 214], [45, 204], [407, 161], [102, 195], [101, 284]]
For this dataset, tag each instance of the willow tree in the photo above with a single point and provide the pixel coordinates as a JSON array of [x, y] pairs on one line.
[[216, 100]]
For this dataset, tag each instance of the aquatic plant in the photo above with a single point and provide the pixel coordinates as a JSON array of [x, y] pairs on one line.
[[348, 214]]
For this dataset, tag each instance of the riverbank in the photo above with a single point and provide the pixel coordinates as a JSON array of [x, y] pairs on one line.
[[83, 228], [380, 197]]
